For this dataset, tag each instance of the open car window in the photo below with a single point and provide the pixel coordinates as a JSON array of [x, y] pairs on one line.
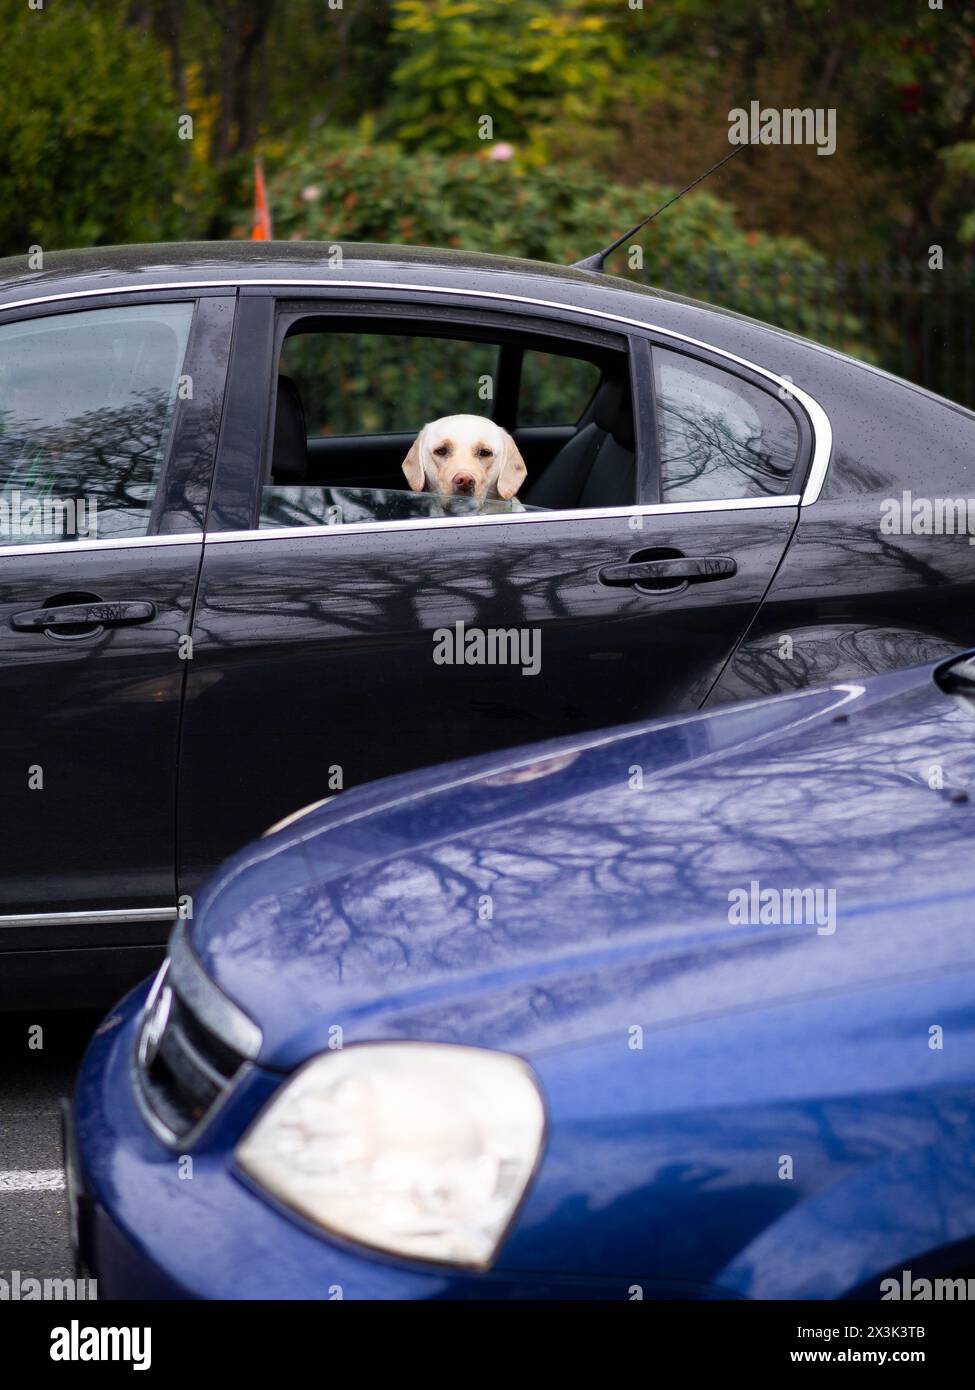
[[555, 389], [351, 398], [380, 383]]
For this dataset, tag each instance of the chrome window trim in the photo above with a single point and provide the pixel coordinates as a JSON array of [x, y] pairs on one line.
[[123, 543], [575, 513], [818, 418], [417, 523], [109, 917]]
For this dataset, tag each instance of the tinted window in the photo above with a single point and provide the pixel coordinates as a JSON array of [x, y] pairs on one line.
[[341, 506], [87, 402], [720, 437]]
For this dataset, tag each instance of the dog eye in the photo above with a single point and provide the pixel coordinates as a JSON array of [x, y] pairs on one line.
[[484, 453], [441, 451]]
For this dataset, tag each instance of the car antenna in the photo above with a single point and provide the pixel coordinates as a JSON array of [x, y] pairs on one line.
[[595, 261]]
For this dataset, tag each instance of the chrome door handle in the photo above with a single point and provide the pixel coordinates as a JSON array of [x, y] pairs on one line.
[[700, 569], [114, 613]]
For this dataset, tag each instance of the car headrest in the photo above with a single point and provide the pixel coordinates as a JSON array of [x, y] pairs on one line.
[[612, 411], [289, 460]]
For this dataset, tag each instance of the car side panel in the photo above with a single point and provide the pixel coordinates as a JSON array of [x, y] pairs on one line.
[[796, 1151], [90, 728], [315, 652], [853, 598]]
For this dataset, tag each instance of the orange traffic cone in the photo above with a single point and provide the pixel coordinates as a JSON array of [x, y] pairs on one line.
[[262, 213]]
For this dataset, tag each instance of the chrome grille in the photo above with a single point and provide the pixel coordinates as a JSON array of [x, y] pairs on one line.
[[193, 1043]]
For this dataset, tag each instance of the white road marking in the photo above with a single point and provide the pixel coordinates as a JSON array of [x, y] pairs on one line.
[[38, 1180]]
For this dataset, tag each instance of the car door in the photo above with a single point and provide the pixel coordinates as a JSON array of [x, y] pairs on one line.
[[326, 655], [109, 411]]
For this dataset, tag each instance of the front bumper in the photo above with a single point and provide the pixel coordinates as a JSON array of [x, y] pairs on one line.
[[663, 1181], [158, 1224], [77, 1199]]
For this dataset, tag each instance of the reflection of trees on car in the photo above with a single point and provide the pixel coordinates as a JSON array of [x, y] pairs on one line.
[[666, 854], [303, 505], [109, 457], [699, 442]]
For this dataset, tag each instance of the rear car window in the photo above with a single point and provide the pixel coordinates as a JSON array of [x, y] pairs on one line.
[[719, 436]]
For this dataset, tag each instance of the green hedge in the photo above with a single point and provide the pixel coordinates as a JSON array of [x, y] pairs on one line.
[[375, 192], [91, 152]]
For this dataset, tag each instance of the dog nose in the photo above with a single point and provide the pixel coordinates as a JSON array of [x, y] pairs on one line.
[[464, 484]]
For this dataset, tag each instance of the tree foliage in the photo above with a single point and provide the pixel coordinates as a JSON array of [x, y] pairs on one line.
[[89, 131], [381, 193], [523, 63], [601, 90]]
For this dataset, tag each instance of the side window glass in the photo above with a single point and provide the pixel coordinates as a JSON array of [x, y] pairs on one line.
[[349, 408], [720, 437], [555, 390], [87, 403]]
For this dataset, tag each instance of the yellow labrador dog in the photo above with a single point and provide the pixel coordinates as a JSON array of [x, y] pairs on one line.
[[465, 456]]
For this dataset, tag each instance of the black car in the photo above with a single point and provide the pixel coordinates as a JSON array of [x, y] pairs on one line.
[[220, 600]]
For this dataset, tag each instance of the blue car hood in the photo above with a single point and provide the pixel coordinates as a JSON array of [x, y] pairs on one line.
[[522, 900]]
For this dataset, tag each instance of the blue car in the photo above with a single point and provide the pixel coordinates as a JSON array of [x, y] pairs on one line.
[[684, 1010]]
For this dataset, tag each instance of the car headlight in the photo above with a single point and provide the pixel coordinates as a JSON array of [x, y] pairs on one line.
[[418, 1149]]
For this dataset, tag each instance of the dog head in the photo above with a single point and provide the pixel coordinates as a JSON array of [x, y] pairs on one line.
[[465, 456]]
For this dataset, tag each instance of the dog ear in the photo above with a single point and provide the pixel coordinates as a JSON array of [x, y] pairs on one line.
[[413, 464], [513, 471]]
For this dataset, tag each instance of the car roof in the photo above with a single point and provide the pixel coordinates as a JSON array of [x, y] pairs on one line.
[[163, 264], [204, 259], [158, 265], [110, 268]]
